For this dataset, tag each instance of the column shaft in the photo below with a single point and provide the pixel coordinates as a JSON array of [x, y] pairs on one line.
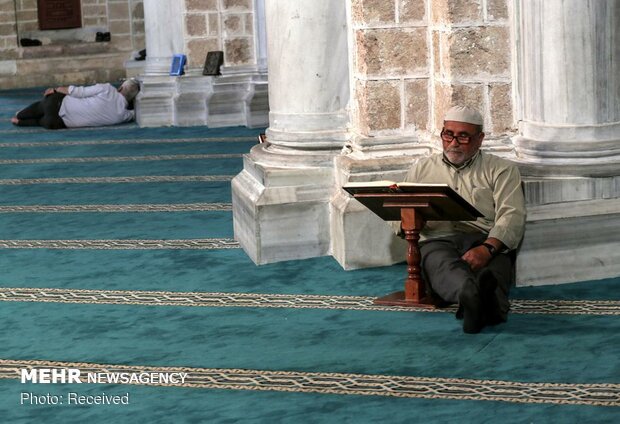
[[569, 67], [308, 73], [281, 199], [569, 78], [163, 24]]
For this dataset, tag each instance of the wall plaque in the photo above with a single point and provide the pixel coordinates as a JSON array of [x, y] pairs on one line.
[[59, 14]]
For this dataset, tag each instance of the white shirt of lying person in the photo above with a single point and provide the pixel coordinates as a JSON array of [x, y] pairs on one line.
[[94, 106]]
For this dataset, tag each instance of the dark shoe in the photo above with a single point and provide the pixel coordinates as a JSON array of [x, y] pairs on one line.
[[27, 42], [141, 55], [488, 284], [470, 302], [102, 36]]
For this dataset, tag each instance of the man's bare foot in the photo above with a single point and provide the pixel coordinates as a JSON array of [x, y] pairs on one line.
[[14, 120]]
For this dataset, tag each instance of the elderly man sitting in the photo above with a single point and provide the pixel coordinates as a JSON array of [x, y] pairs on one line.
[[466, 262], [75, 106]]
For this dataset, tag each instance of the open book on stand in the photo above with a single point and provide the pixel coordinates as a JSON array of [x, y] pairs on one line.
[[436, 202], [391, 187]]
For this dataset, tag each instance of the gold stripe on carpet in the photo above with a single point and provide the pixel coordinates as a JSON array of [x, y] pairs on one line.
[[192, 244], [293, 301], [175, 207], [118, 180], [120, 158], [349, 384], [128, 141]]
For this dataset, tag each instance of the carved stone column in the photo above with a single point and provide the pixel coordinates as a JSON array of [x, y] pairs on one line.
[[569, 69], [163, 22], [307, 57], [568, 147], [281, 198], [260, 35]]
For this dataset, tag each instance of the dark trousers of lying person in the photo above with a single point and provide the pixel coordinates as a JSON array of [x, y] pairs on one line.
[[43, 113]]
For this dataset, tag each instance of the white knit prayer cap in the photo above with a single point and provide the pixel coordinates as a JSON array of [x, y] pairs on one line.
[[464, 114]]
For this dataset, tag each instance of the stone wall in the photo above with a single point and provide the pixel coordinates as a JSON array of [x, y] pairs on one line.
[[26, 16], [136, 24], [8, 37], [391, 66], [124, 19], [69, 55], [415, 58], [125, 22], [226, 25], [472, 60]]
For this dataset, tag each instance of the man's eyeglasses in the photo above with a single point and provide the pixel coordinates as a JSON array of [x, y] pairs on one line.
[[461, 139]]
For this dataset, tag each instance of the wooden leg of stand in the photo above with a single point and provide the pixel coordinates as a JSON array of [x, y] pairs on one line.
[[414, 286], [414, 294]]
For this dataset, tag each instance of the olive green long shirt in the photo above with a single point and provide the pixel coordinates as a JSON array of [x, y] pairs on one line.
[[490, 183]]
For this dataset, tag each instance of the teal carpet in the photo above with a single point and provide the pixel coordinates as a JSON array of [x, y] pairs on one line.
[[117, 253]]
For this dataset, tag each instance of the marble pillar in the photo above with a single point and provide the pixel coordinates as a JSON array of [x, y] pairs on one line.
[[281, 198], [260, 36], [238, 97], [308, 70], [163, 23], [568, 146], [569, 64]]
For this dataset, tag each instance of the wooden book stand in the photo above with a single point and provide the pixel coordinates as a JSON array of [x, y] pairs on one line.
[[413, 205]]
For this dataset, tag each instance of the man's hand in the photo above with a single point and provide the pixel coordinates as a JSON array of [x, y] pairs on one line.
[[477, 257], [49, 91]]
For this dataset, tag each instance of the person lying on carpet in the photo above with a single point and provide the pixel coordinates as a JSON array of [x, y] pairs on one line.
[[467, 262], [81, 106]]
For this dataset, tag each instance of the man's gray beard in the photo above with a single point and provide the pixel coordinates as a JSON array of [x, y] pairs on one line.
[[450, 157]]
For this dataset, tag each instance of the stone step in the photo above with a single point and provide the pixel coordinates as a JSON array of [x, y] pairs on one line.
[[63, 70], [65, 49]]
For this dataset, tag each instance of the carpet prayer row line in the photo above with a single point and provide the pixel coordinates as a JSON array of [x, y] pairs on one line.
[[351, 384], [265, 300]]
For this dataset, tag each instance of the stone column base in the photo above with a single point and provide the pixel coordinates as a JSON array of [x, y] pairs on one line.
[[581, 157], [189, 100], [238, 101], [571, 232], [155, 102], [281, 205], [359, 238]]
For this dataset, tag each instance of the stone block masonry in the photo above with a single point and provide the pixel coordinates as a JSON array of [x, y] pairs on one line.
[[390, 59], [8, 38], [471, 49], [226, 25], [85, 60], [426, 55]]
